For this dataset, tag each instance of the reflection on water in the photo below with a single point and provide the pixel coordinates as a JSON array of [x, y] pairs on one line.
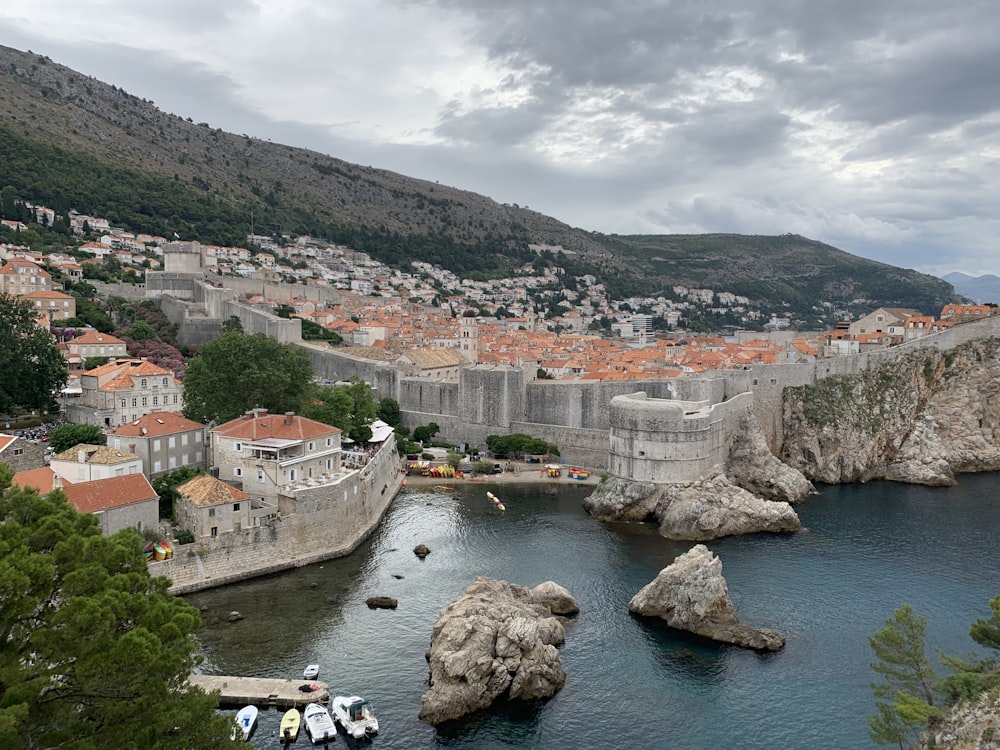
[[867, 549]]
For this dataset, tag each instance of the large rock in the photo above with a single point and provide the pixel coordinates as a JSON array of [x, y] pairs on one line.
[[497, 640], [699, 511], [751, 465], [691, 594]]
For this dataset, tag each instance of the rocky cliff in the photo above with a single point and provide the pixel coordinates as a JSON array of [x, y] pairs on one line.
[[691, 594], [496, 641], [920, 418]]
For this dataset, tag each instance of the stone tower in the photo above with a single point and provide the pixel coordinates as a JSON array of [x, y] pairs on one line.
[[469, 336]]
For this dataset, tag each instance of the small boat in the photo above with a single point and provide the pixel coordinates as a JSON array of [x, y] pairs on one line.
[[246, 719], [311, 672], [495, 500], [444, 488], [356, 716], [289, 728], [319, 724], [575, 473]]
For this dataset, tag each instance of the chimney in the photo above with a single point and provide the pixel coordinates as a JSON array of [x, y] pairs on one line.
[[56, 482], [289, 417], [81, 457]]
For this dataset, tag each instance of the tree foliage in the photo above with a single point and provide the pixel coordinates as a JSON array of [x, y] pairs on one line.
[[236, 372], [95, 653], [388, 411], [519, 444], [165, 486], [65, 436], [33, 369]]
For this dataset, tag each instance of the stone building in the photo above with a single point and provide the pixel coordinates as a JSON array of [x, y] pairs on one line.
[[164, 440], [19, 277], [52, 305], [94, 344], [20, 454], [121, 502], [85, 463], [208, 507], [122, 391], [265, 452]]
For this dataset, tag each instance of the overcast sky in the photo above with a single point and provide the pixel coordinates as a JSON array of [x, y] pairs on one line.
[[873, 125]]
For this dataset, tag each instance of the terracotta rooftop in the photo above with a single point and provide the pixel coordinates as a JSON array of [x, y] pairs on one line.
[[104, 494], [257, 424], [204, 490], [95, 454], [157, 423]]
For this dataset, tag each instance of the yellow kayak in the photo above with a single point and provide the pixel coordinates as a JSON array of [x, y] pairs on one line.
[[290, 725]]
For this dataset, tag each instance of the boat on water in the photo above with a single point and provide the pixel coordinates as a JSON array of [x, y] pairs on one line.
[[243, 724], [311, 672], [355, 715], [444, 488], [289, 727], [319, 724], [495, 500]]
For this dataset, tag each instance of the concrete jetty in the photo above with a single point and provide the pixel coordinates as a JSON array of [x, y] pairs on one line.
[[261, 691]]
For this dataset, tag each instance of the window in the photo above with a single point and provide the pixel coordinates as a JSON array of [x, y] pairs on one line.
[[236, 507], [19, 451], [261, 476], [329, 464], [135, 402], [175, 398], [312, 446], [156, 444], [291, 475], [164, 381], [157, 466], [211, 512], [124, 403], [238, 448], [142, 383], [145, 401], [329, 442], [171, 441], [156, 400], [238, 471], [184, 439], [215, 531]]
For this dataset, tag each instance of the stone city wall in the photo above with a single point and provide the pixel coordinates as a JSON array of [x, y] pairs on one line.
[[326, 521]]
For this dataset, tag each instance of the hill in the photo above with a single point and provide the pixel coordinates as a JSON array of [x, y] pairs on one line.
[[71, 141], [981, 289]]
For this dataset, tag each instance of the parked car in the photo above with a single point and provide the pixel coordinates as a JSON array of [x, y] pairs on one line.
[[497, 469]]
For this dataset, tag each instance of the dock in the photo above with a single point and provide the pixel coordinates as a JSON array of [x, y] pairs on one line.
[[261, 691]]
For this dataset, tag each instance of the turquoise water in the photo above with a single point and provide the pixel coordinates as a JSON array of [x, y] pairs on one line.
[[632, 683]]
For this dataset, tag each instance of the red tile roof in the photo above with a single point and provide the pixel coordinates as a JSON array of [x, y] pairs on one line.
[[105, 494], [258, 424], [157, 423]]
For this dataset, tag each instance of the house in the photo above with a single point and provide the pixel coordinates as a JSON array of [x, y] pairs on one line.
[[208, 507], [164, 440], [94, 344], [19, 277], [52, 305], [85, 463], [879, 320], [121, 502], [266, 452], [122, 391], [432, 362], [967, 312], [20, 454]]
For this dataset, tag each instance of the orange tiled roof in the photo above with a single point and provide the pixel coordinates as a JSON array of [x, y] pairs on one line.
[[113, 492], [41, 479], [204, 490], [258, 425], [157, 423]]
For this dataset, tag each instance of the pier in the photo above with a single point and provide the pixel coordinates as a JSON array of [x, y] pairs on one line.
[[261, 691]]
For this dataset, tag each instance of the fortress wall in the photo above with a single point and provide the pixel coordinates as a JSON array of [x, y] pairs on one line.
[[664, 440], [587, 449], [584, 404], [327, 521], [429, 397], [491, 396]]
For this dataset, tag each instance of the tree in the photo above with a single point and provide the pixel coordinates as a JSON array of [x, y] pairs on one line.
[[165, 486], [426, 433], [232, 324], [973, 676], [363, 410], [65, 436], [236, 372], [95, 652], [140, 330], [388, 412], [33, 369], [905, 697]]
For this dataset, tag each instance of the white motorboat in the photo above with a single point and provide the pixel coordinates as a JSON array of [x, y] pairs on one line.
[[355, 715], [319, 724], [244, 723], [311, 672]]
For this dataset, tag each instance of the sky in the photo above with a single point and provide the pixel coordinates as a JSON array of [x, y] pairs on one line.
[[871, 125]]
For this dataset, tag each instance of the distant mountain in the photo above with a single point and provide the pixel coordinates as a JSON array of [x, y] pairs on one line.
[[70, 141], [980, 289]]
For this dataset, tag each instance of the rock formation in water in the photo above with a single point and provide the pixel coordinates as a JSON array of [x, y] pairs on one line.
[[698, 511], [497, 641], [920, 417], [691, 594]]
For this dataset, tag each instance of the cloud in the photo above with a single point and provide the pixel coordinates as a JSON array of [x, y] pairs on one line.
[[872, 126]]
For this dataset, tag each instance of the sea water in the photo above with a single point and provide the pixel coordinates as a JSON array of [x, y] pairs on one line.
[[632, 683]]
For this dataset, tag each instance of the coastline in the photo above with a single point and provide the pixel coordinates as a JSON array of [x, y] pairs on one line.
[[522, 475]]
